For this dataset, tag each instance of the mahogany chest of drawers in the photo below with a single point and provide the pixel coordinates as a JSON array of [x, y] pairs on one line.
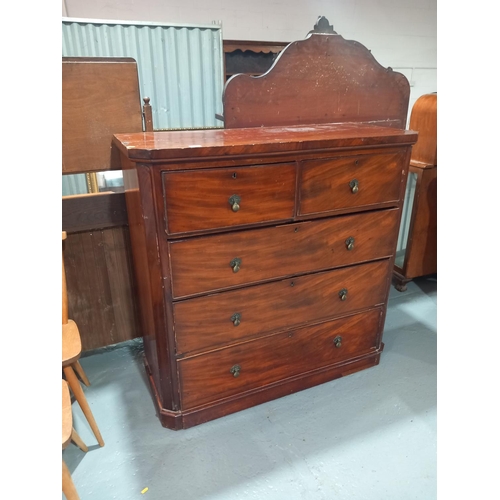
[[263, 258]]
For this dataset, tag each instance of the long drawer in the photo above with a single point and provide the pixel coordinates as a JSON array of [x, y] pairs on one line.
[[255, 364], [350, 182], [221, 197], [261, 254], [224, 318]]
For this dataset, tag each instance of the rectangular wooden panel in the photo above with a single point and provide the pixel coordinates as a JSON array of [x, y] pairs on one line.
[[201, 200], [421, 256], [93, 211], [101, 286], [278, 357], [100, 97], [205, 322], [281, 251], [355, 182]]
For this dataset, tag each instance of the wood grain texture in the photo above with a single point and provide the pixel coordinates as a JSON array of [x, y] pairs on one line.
[[100, 285], [325, 184], [205, 322], [201, 200], [100, 97], [206, 378], [67, 416], [421, 253], [93, 211], [191, 145], [322, 79], [201, 265], [423, 119]]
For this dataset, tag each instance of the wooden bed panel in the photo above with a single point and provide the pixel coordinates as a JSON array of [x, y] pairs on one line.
[[321, 79]]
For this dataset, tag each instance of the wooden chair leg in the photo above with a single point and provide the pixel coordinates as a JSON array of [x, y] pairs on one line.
[[68, 486], [77, 390], [78, 441], [79, 370]]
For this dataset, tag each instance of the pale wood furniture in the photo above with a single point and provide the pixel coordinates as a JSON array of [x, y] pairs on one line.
[[68, 431], [420, 243], [69, 434], [71, 352]]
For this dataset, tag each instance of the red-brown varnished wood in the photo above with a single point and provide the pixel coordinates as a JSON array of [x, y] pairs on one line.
[[206, 322], [154, 300], [326, 183], [202, 144], [278, 252], [424, 119], [322, 79], [421, 255], [256, 364], [202, 200]]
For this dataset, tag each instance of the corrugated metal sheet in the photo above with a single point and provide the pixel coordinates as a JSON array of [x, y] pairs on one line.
[[180, 66], [404, 228]]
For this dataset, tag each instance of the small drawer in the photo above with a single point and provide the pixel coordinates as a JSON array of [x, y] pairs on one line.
[[225, 318], [351, 182], [258, 363], [228, 197], [212, 263]]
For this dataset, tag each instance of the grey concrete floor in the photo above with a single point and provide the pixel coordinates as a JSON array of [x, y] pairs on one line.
[[371, 435]]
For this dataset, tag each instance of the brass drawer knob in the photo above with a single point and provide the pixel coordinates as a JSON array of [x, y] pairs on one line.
[[337, 341], [235, 264], [343, 294], [354, 185], [349, 243], [235, 201], [235, 370], [236, 319]]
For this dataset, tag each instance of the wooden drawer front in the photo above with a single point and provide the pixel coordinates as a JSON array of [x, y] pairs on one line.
[[203, 264], [261, 362], [199, 200], [205, 322], [325, 184]]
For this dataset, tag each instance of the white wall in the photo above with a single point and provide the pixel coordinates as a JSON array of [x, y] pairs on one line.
[[400, 33]]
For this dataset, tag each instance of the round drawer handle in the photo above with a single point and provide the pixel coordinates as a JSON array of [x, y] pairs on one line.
[[236, 319], [235, 370], [354, 185], [343, 294], [235, 264], [349, 243], [337, 341], [235, 201]]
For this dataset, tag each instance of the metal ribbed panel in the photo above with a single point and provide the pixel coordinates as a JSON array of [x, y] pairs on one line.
[[180, 67], [404, 228]]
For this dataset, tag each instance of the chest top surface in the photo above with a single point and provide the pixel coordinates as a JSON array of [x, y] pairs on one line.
[[171, 145]]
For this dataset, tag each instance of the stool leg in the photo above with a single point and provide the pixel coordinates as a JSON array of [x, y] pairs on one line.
[[78, 441], [68, 486], [77, 390], [79, 370]]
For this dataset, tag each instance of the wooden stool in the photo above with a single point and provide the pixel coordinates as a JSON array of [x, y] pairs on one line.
[[71, 351], [69, 434]]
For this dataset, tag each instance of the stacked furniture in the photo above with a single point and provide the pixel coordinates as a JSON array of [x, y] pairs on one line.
[[264, 252], [418, 232]]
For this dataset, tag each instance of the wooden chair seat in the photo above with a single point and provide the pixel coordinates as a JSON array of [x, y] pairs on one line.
[[71, 343]]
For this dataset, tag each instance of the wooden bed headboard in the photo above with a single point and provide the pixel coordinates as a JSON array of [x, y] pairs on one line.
[[321, 79]]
